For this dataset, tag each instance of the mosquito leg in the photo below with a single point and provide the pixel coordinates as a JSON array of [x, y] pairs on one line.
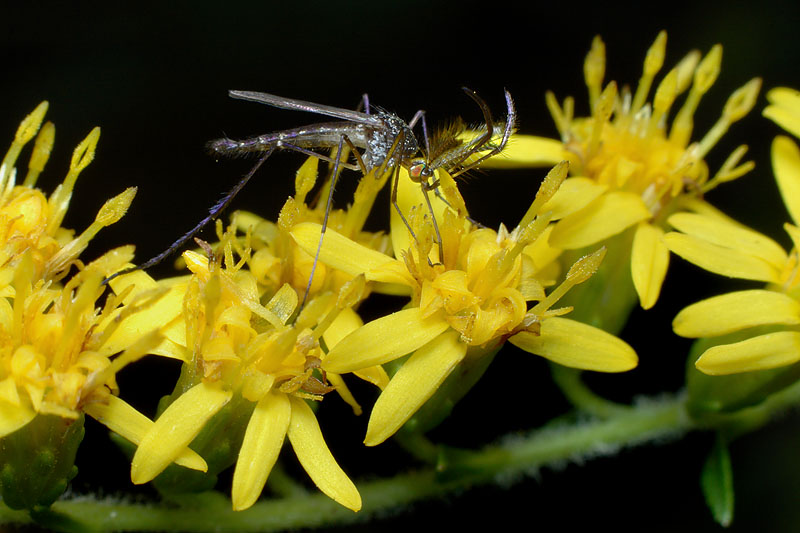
[[395, 181], [487, 115], [363, 105], [340, 148], [439, 243], [213, 213], [361, 165], [420, 115], [511, 119]]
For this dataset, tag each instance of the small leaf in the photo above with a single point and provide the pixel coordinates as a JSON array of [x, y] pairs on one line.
[[717, 483]]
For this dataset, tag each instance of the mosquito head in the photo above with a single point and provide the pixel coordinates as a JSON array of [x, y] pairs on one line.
[[419, 170]]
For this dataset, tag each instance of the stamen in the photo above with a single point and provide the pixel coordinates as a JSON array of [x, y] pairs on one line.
[[600, 115], [665, 96], [652, 64], [704, 77], [729, 171], [547, 189], [594, 69], [41, 153], [81, 157], [113, 210], [559, 117], [738, 105], [27, 129], [581, 271]]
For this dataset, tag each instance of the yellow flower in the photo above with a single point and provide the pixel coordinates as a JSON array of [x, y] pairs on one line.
[[630, 166], [725, 247], [57, 346], [237, 349], [466, 301]]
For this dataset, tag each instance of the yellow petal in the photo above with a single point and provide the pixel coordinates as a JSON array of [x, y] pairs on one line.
[[345, 323], [649, 262], [573, 195], [8, 391], [344, 393], [786, 165], [136, 325], [735, 311], [608, 215], [578, 345], [177, 426], [732, 236], [413, 384], [785, 109], [316, 458], [383, 340], [167, 348], [758, 353], [13, 417], [262, 442], [338, 251], [129, 423], [720, 260], [375, 375], [528, 151], [785, 96]]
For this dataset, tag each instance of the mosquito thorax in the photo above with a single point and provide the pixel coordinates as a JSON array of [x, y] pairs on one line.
[[381, 141]]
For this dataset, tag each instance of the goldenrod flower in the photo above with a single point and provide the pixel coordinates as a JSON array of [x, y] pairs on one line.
[[721, 245], [238, 349], [57, 345], [465, 302], [631, 167]]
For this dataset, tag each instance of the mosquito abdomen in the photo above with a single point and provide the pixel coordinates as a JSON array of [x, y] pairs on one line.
[[231, 147]]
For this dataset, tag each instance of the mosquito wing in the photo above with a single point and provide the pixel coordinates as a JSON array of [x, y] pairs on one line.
[[311, 107]]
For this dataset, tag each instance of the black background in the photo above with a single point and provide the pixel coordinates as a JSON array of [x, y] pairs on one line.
[[155, 79]]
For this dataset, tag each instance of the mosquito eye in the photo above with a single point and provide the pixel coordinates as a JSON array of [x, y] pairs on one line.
[[416, 170]]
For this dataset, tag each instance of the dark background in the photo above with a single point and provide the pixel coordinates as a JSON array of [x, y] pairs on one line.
[[156, 80]]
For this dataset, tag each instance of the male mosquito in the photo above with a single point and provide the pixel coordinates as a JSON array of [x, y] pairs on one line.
[[387, 143]]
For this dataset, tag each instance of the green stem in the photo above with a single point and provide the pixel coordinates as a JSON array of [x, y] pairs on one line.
[[648, 421], [418, 446], [212, 511], [582, 397]]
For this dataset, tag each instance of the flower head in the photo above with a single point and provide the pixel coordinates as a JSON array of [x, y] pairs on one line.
[[242, 352], [631, 166], [465, 301], [722, 245], [53, 353], [56, 354]]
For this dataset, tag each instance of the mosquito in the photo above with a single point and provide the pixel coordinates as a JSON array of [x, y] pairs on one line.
[[386, 141]]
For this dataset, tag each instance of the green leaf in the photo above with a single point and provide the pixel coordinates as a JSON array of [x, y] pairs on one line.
[[717, 482]]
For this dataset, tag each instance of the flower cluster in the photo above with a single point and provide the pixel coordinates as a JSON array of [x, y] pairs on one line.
[[266, 321], [631, 167], [59, 353]]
